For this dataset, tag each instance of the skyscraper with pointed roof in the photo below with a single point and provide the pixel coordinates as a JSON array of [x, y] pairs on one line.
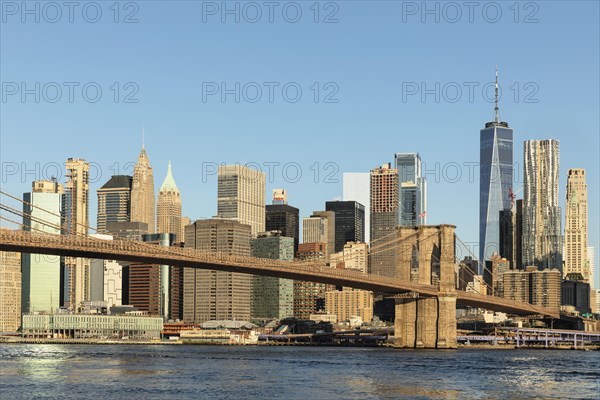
[[495, 180], [169, 207], [142, 192]]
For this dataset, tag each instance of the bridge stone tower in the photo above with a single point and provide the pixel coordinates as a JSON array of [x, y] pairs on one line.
[[426, 256]]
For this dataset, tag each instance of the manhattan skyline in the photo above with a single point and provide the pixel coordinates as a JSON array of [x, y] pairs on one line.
[[363, 130]]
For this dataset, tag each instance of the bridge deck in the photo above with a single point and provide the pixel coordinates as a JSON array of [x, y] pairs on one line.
[[312, 270]]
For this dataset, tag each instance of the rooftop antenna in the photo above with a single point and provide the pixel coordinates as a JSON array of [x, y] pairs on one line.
[[144, 133], [496, 108]]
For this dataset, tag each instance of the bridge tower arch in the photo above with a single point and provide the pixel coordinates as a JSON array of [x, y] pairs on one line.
[[426, 322]]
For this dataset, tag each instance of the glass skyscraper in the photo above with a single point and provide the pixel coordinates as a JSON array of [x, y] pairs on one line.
[[349, 222], [495, 181], [41, 272], [412, 194]]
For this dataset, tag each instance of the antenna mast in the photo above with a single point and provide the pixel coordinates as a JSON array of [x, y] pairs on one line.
[[496, 109]]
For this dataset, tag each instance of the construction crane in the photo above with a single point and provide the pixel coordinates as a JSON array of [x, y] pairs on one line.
[[512, 195]]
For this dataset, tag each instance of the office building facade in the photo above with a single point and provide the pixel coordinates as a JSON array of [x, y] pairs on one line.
[[114, 201], [542, 237], [575, 292], [515, 285], [241, 196], [314, 229], [149, 283], [10, 291], [75, 206], [41, 273], [412, 186], [142, 192], [546, 288], [309, 297], [354, 256], [538, 287], [349, 222], [329, 219], [216, 295], [272, 298], [282, 217], [511, 235], [348, 303], [576, 226], [495, 181], [168, 209], [384, 219]]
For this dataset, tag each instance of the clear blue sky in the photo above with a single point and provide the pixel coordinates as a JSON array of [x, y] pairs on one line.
[[370, 54]]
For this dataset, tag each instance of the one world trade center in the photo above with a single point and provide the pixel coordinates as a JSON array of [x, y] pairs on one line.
[[495, 181]]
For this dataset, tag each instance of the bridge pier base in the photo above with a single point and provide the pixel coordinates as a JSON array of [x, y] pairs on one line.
[[405, 322], [427, 323], [446, 325]]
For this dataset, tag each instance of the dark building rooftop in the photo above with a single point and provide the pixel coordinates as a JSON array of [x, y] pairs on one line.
[[118, 181]]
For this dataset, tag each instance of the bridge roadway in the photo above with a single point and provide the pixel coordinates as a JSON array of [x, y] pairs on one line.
[[311, 271]]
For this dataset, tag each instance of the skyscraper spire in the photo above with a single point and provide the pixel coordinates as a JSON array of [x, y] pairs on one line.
[[496, 109], [169, 182], [144, 134], [169, 207], [142, 192]]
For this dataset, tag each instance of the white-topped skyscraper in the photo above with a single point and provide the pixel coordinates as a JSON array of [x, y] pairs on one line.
[[495, 181], [168, 218], [412, 195], [168, 210]]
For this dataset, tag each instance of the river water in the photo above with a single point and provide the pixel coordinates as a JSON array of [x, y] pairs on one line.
[[228, 372]]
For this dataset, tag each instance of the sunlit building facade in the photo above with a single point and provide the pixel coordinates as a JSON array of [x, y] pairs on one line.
[[41, 273], [168, 210], [542, 234], [75, 214], [217, 295], [413, 189], [10, 291], [142, 192], [495, 183], [241, 196], [384, 219], [576, 226]]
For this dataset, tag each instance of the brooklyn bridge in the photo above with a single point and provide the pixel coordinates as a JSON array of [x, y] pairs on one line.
[[425, 307]]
